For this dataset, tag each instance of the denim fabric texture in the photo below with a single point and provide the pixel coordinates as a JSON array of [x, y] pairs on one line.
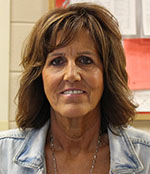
[[22, 152]]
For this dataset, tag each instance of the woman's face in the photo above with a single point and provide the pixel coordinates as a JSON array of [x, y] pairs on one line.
[[73, 77]]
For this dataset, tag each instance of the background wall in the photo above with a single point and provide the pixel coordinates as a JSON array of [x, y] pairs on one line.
[[4, 62], [17, 19], [24, 14]]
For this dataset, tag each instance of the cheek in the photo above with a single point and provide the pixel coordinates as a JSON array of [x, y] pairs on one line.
[[95, 81], [97, 86], [49, 83]]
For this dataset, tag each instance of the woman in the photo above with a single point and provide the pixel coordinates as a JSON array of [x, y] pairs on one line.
[[74, 104]]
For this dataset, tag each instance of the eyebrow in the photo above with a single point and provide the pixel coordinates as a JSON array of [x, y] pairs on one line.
[[79, 53], [56, 54], [86, 52]]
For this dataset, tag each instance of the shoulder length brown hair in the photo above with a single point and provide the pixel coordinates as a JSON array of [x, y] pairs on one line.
[[116, 105]]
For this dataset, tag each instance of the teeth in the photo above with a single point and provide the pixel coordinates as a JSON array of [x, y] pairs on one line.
[[73, 92]]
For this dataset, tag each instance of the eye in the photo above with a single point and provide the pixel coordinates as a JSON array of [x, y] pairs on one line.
[[85, 60], [58, 61]]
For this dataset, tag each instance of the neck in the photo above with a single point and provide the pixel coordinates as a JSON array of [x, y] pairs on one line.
[[75, 134]]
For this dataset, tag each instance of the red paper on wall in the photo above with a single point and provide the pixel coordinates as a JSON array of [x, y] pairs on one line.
[[137, 53], [62, 3]]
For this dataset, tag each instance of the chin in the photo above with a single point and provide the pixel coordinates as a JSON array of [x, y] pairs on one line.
[[73, 112]]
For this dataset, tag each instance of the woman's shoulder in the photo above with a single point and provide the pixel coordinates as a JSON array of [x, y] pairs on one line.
[[138, 136], [130, 150], [23, 134], [12, 140], [13, 134]]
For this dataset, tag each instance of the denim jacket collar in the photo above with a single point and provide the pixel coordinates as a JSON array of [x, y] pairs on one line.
[[124, 159], [31, 152]]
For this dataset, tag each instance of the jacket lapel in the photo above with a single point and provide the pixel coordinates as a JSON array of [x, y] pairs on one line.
[[31, 152], [124, 159]]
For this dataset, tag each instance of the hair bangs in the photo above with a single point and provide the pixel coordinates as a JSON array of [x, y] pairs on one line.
[[69, 27]]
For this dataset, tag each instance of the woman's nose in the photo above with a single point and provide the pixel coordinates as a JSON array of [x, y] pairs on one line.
[[72, 73]]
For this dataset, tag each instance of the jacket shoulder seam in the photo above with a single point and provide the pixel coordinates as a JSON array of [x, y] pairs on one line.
[[13, 134], [138, 136], [140, 141]]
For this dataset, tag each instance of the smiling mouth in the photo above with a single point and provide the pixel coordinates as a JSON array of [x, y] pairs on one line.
[[73, 92]]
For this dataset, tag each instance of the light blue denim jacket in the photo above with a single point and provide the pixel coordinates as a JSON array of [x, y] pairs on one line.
[[22, 152]]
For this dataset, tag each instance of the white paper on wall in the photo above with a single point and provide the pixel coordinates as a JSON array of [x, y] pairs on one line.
[[146, 16], [142, 98], [106, 3], [124, 11]]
